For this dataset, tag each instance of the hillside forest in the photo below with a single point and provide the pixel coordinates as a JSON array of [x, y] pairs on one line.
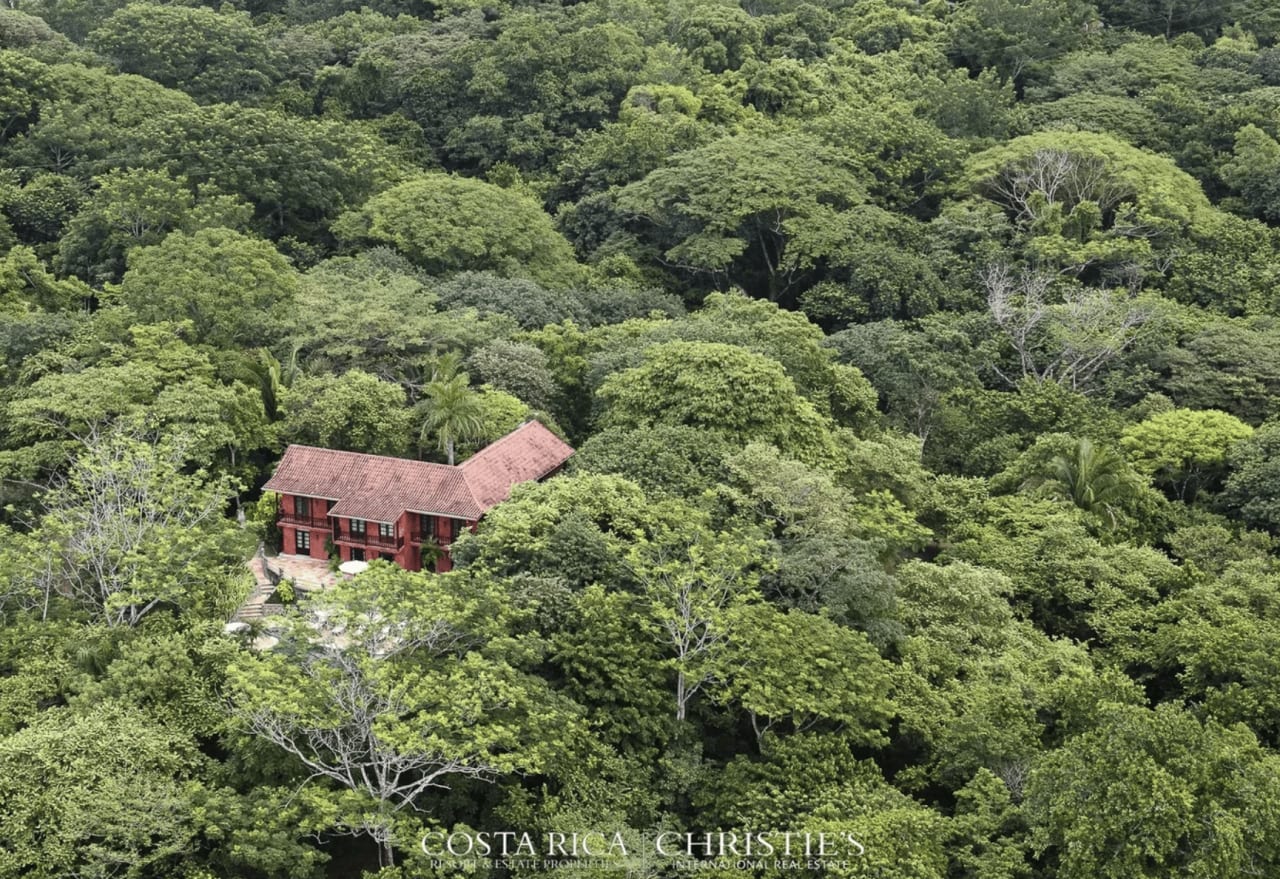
[[922, 361]]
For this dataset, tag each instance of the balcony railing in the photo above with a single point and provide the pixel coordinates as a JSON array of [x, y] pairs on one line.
[[418, 538], [311, 521], [373, 539], [376, 539]]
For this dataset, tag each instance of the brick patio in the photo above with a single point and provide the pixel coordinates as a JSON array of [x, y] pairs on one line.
[[307, 574]]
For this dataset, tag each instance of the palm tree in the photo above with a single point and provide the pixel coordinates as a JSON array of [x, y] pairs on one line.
[[451, 410], [1097, 480], [271, 377]]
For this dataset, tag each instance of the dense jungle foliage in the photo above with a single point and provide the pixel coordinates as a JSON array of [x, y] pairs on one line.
[[923, 363]]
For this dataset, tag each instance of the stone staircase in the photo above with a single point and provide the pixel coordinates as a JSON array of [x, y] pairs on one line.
[[255, 606]]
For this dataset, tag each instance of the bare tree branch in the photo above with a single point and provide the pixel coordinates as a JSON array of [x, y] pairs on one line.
[[1068, 343]]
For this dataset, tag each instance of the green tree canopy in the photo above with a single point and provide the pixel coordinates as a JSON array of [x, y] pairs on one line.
[[89, 794], [759, 326], [233, 288], [374, 312], [297, 172], [577, 528], [394, 686], [1185, 450], [138, 208], [719, 388], [1018, 36], [128, 533], [1252, 171], [1090, 203], [1253, 488], [211, 55], [355, 411], [451, 224], [143, 376], [756, 209], [1149, 791]]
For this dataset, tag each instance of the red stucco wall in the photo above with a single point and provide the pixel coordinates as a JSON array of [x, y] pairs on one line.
[[408, 556]]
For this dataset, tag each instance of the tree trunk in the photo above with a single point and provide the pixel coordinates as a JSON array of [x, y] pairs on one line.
[[239, 510], [680, 696]]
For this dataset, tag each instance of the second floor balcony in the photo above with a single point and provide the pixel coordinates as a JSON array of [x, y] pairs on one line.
[[369, 537], [305, 520]]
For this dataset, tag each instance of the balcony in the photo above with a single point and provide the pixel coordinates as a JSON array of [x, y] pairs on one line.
[[378, 541], [311, 521], [370, 539], [417, 538]]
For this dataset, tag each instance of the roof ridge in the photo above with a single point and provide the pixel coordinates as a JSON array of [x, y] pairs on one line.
[[471, 491], [329, 451]]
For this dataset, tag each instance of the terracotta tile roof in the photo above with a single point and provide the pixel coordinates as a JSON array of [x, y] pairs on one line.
[[529, 452], [378, 488]]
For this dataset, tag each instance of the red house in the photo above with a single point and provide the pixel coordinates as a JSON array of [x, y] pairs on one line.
[[372, 506]]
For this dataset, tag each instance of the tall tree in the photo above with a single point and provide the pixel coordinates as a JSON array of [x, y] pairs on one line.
[[1185, 451], [130, 530], [759, 210], [720, 388], [1070, 342], [1090, 204], [354, 411], [1252, 490], [1018, 36], [394, 686], [213, 55], [451, 224], [233, 287], [692, 581], [451, 411], [135, 208]]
